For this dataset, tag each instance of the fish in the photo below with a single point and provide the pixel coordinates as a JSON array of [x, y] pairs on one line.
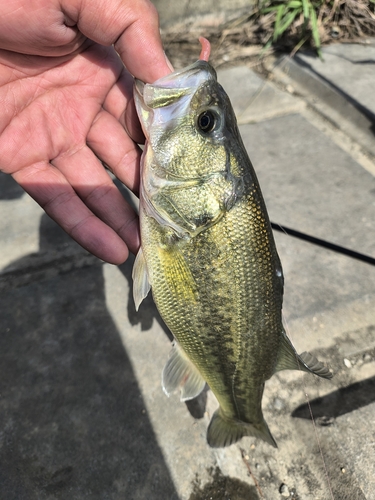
[[208, 253]]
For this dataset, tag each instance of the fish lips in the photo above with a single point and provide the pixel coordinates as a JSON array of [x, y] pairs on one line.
[[192, 76]]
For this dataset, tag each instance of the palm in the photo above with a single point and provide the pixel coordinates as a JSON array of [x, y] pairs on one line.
[[60, 115]]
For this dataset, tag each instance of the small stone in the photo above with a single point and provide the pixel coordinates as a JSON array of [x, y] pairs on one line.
[[284, 490], [252, 447], [278, 404], [347, 363], [247, 457], [343, 470], [290, 89], [367, 358], [324, 421]]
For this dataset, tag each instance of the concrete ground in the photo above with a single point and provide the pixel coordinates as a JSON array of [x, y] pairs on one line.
[[82, 412]]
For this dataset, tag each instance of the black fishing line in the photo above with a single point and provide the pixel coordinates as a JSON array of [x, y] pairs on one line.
[[324, 244]]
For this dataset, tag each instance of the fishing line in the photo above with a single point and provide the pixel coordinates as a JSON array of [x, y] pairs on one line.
[[311, 239], [318, 441], [323, 243], [312, 419], [330, 246]]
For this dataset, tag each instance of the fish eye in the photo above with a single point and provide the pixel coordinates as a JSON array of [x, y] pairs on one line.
[[207, 121]]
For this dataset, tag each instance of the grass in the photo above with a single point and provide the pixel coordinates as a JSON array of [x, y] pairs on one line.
[[283, 26], [312, 21], [286, 13]]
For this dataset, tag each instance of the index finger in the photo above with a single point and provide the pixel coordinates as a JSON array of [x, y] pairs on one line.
[[54, 193]]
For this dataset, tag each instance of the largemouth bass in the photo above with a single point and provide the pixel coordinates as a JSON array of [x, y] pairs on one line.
[[208, 253]]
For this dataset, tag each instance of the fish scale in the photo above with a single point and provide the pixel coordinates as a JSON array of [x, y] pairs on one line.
[[208, 253]]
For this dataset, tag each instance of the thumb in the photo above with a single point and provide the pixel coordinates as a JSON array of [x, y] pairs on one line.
[[131, 25]]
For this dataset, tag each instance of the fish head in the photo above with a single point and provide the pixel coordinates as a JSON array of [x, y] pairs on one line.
[[188, 115]]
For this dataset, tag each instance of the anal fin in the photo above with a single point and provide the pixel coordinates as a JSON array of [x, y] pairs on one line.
[[290, 360], [180, 373]]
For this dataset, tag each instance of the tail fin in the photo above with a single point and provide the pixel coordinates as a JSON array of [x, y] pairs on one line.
[[223, 431]]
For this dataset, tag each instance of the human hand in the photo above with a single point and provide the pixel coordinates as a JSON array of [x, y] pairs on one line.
[[65, 106]]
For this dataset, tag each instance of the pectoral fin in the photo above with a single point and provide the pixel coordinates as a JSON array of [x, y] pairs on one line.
[[290, 360], [141, 283], [178, 275], [181, 373]]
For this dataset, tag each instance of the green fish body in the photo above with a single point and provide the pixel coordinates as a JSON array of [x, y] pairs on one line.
[[208, 253]]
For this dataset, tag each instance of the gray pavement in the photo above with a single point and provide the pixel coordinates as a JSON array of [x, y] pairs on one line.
[[340, 87], [82, 412]]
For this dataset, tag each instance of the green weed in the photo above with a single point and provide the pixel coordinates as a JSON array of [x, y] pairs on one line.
[[287, 12]]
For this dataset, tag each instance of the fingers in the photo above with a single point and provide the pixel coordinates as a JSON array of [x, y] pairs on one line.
[[113, 146], [60, 27], [92, 183], [37, 29], [51, 189], [120, 103]]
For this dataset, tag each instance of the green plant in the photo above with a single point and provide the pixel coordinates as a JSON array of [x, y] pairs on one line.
[[287, 12]]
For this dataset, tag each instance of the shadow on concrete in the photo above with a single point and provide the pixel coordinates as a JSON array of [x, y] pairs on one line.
[[356, 104], [72, 419], [147, 312], [9, 189], [337, 403]]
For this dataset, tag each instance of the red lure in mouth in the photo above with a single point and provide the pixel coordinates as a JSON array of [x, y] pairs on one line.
[[206, 49]]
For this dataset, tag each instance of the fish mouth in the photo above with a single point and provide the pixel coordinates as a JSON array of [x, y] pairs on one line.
[[139, 87], [190, 77], [179, 86], [142, 110]]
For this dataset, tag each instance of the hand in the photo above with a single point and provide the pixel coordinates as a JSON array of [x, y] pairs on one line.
[[65, 106]]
